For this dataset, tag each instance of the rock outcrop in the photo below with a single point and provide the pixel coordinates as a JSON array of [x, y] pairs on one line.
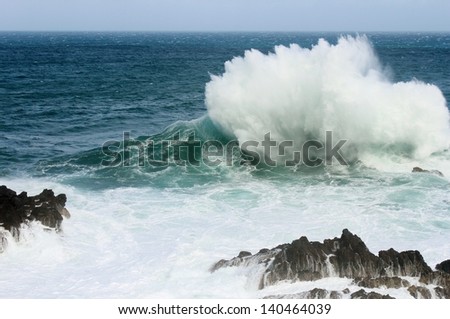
[[421, 170], [444, 266], [345, 257], [362, 294], [16, 210], [319, 293], [316, 293]]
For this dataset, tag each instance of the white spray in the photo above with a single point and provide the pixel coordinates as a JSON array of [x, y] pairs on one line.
[[298, 93]]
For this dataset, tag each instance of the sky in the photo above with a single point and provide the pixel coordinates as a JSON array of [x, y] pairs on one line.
[[225, 15]]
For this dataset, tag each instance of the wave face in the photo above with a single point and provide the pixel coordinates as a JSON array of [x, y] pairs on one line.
[[298, 94]]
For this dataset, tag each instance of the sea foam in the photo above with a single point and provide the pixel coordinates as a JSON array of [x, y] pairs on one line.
[[299, 93]]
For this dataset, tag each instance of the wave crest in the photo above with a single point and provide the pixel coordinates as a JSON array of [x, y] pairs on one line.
[[298, 94]]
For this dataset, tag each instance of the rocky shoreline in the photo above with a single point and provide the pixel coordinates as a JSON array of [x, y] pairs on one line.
[[345, 257], [299, 261], [17, 211]]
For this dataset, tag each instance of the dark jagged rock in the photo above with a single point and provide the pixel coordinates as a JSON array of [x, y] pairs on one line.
[[406, 263], [16, 210], [264, 256], [362, 294], [351, 257], [444, 266], [303, 260], [419, 292], [347, 257], [319, 293], [438, 278], [421, 170], [316, 293], [243, 254], [441, 293], [388, 282]]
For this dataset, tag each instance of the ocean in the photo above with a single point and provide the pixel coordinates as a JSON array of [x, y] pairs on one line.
[[160, 142]]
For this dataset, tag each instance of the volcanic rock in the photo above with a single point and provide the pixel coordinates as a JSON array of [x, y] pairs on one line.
[[344, 257], [421, 170], [406, 263], [316, 293], [444, 266], [362, 294], [419, 292], [383, 282], [16, 210]]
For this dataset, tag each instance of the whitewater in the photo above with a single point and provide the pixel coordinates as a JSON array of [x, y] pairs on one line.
[[298, 94], [154, 232]]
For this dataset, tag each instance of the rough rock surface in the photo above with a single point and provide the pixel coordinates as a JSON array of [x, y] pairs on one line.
[[382, 282], [444, 266], [362, 294], [16, 210], [345, 257], [319, 293], [439, 279], [421, 170], [316, 293]]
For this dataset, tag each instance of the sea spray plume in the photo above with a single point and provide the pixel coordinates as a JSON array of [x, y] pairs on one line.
[[298, 94]]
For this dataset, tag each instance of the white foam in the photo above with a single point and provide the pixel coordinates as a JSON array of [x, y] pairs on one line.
[[298, 93], [150, 242]]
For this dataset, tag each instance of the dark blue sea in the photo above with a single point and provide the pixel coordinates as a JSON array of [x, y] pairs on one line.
[[158, 141]]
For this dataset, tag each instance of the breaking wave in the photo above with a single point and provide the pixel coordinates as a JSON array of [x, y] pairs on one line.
[[299, 93]]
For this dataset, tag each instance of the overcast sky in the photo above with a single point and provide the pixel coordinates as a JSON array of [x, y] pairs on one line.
[[225, 15]]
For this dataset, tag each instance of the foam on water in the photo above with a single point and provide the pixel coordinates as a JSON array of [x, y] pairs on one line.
[[148, 242], [298, 94], [153, 232]]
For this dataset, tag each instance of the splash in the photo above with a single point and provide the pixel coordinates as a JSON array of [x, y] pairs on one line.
[[298, 94]]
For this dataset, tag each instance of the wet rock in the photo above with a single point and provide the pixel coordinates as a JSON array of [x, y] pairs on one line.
[[362, 294], [345, 257], [351, 258], [441, 293], [243, 254], [444, 266], [16, 210], [316, 293], [421, 170], [406, 263], [419, 292], [385, 282], [264, 256], [3, 242], [303, 260], [440, 279]]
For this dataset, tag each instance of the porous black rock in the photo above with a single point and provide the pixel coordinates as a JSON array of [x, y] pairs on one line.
[[344, 257], [362, 294], [444, 266], [16, 210], [405, 263], [303, 260]]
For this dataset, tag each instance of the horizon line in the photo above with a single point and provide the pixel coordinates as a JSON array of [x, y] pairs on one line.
[[232, 31]]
